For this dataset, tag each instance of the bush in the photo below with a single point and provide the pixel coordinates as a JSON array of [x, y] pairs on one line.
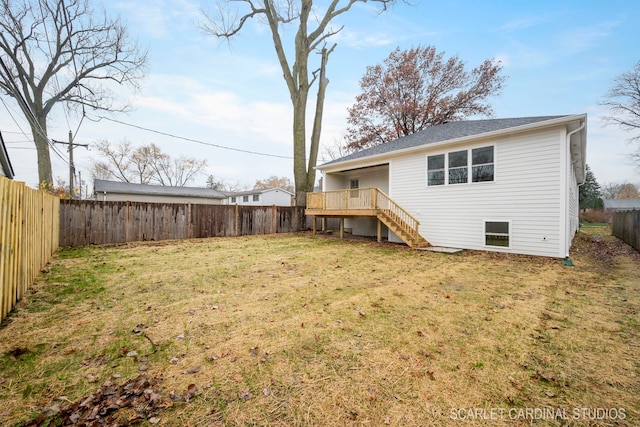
[[596, 215]]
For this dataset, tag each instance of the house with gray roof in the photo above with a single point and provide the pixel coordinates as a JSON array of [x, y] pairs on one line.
[[261, 197], [507, 185], [5, 164], [116, 191], [622, 204]]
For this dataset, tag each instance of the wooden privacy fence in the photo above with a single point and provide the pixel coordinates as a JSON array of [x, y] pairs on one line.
[[86, 222], [626, 227], [28, 237]]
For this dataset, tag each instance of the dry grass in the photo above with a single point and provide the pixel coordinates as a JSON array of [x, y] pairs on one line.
[[299, 330]]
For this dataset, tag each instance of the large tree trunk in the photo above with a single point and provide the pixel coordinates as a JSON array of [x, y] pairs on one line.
[[42, 149]]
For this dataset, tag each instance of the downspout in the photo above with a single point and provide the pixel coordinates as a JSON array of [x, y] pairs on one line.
[[582, 125], [584, 179]]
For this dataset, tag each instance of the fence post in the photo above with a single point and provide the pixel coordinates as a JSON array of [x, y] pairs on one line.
[[274, 217]]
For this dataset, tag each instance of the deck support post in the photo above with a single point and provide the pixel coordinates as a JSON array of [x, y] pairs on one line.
[[341, 228], [314, 224], [324, 224], [379, 231]]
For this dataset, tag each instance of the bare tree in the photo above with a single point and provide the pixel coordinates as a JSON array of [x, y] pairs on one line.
[[335, 151], [62, 52], [275, 182], [610, 190], [628, 191], [623, 100], [298, 73], [223, 185], [144, 165], [417, 88]]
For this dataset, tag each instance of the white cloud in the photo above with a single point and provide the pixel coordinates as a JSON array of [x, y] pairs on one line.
[[579, 39]]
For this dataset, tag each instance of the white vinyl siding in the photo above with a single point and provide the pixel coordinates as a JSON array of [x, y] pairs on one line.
[[269, 197], [526, 191], [377, 176]]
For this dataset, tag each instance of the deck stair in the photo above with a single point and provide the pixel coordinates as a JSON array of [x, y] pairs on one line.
[[368, 202]]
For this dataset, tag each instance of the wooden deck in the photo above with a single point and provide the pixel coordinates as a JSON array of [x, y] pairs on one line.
[[370, 202]]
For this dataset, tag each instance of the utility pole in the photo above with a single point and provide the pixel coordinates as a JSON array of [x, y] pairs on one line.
[[72, 167]]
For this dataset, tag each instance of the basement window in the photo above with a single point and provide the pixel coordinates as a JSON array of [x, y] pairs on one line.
[[496, 233]]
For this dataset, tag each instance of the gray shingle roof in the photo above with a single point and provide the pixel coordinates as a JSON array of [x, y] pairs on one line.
[[101, 185], [622, 204], [444, 132], [251, 192]]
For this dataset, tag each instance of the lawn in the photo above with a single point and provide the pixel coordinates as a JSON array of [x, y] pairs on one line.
[[302, 330]]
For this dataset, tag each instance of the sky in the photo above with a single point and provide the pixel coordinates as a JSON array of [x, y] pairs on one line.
[[559, 57]]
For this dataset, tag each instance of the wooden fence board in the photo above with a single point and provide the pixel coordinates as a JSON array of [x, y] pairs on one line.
[[89, 222], [626, 227], [29, 235]]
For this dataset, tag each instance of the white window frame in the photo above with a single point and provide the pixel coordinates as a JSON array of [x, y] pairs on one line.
[[256, 197], [245, 199], [469, 166], [509, 233]]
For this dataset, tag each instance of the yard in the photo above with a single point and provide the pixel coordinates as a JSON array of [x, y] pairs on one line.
[[297, 330]]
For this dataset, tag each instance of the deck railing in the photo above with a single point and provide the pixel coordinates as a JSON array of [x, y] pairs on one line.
[[370, 198]]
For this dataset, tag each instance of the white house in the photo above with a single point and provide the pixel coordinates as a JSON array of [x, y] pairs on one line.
[[115, 191], [508, 185], [264, 197]]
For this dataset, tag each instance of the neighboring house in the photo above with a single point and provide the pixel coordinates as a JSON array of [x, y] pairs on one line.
[[264, 197], [5, 164], [508, 185], [621, 204], [115, 191]]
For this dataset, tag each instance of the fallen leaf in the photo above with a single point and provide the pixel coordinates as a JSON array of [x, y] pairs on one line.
[[245, 394], [191, 392], [193, 370], [174, 360], [132, 353], [266, 392], [154, 420], [254, 352], [180, 337]]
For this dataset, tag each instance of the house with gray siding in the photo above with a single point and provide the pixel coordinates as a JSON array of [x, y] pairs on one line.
[[507, 185], [116, 191]]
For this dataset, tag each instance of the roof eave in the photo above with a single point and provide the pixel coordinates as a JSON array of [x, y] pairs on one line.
[[377, 159]]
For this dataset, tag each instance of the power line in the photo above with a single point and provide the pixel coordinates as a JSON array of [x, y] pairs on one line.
[[257, 153], [55, 150]]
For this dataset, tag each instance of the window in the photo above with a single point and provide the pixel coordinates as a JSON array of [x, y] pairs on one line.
[[256, 197], [435, 170], [458, 169], [233, 199], [496, 233], [482, 164], [354, 184], [245, 198], [455, 167]]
